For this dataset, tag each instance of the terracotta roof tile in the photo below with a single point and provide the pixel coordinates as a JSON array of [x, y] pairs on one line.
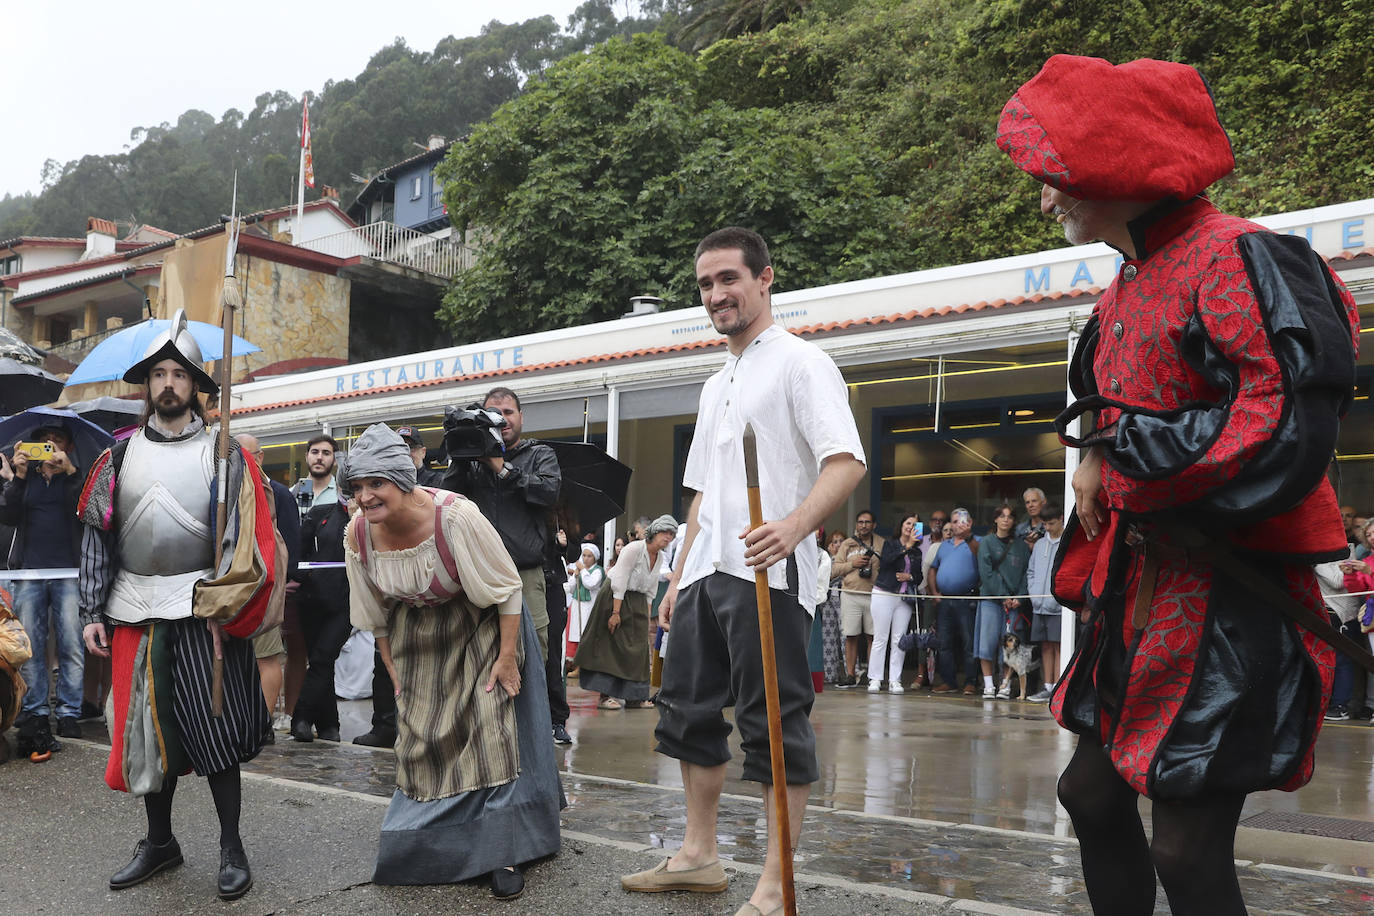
[[805, 330], [911, 315], [103, 226]]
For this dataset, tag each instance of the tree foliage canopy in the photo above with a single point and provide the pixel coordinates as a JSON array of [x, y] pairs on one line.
[[857, 137]]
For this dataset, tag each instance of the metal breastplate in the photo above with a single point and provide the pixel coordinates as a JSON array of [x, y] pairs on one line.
[[162, 506]]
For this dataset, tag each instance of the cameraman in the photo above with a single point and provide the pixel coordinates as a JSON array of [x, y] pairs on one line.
[[516, 492], [856, 562]]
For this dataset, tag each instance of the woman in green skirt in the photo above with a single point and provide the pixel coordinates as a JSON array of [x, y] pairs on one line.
[[613, 656]]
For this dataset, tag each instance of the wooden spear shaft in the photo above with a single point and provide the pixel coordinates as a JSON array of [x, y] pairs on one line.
[[782, 815], [230, 300]]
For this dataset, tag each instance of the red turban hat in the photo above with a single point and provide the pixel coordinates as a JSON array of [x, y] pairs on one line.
[[1139, 131]]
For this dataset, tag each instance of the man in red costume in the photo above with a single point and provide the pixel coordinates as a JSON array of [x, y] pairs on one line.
[[1212, 377]]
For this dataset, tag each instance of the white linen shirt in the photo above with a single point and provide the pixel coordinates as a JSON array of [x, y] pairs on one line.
[[796, 399]]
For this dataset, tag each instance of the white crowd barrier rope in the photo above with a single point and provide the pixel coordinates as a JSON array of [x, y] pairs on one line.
[[20, 575], [836, 590], [27, 575]]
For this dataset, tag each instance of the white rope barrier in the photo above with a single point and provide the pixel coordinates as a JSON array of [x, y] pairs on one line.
[[835, 590], [29, 575], [22, 575]]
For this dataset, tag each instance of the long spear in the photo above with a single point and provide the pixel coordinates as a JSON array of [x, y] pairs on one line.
[[782, 817], [230, 301]]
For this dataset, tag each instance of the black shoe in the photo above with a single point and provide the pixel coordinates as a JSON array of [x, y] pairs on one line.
[[561, 736], [68, 727], [148, 860], [235, 879], [300, 730], [507, 884], [376, 739], [43, 739], [90, 711], [328, 732], [1336, 713]]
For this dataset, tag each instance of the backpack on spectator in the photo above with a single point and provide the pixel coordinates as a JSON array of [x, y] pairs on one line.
[[15, 649]]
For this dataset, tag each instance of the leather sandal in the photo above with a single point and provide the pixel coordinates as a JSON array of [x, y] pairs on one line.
[[609, 703]]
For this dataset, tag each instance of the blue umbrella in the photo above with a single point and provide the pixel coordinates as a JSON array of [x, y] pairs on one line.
[[88, 439], [110, 358]]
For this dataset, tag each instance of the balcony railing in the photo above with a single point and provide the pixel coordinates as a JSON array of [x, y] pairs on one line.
[[78, 348], [397, 245]]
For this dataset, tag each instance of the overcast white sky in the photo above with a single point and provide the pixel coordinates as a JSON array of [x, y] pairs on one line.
[[80, 74]]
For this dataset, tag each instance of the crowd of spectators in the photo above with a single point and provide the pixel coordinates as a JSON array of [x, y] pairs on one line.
[[927, 606]]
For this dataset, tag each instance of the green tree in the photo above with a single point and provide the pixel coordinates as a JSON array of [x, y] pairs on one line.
[[597, 179], [858, 137]]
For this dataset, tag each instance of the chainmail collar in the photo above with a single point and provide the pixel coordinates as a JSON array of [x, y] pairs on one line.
[[156, 432]]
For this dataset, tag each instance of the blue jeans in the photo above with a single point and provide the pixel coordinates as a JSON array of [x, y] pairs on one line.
[[991, 624], [1343, 685], [32, 600], [954, 620]]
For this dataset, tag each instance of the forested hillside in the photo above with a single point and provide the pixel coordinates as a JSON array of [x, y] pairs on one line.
[[858, 137], [178, 176]]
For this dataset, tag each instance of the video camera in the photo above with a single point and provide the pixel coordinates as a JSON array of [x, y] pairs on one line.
[[473, 432], [867, 571]]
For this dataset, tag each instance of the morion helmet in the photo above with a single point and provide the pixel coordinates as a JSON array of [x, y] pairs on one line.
[[174, 343]]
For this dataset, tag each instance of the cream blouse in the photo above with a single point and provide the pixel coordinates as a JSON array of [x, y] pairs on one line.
[[632, 573], [484, 569]]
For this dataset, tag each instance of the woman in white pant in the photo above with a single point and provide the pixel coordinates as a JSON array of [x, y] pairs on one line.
[[894, 590]]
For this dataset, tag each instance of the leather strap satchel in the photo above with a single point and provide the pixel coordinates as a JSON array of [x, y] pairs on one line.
[[1221, 556]]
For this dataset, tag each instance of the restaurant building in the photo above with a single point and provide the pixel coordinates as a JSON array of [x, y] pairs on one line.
[[955, 376]]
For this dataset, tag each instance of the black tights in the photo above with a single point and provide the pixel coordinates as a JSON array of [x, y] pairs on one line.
[[227, 792], [1192, 850]]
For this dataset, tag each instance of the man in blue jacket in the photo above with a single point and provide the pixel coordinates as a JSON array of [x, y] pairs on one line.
[[40, 503]]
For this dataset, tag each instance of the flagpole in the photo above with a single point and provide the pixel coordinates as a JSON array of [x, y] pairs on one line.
[[298, 236]]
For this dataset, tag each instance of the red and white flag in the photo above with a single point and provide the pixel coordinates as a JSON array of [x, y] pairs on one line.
[[308, 163]]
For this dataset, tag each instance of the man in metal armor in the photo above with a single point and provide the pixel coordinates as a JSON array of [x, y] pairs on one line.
[[148, 508]]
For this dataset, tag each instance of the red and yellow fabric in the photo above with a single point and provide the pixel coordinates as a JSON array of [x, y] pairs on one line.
[[248, 598]]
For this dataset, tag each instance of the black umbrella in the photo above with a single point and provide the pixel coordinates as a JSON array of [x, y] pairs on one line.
[[23, 386], [108, 413], [14, 348], [594, 485]]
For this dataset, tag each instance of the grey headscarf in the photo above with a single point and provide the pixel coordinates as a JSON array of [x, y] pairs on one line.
[[381, 452], [662, 523]]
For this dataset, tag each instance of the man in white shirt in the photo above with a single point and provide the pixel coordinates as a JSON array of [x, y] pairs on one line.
[[810, 459]]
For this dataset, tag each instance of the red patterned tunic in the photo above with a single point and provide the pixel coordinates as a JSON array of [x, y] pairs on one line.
[[1217, 365]]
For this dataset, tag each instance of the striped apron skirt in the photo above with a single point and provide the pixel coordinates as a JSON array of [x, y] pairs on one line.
[[160, 696]]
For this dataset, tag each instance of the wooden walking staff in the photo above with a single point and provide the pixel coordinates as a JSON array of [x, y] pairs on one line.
[[230, 301], [782, 820]]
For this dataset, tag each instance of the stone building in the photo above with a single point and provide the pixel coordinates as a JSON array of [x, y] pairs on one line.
[[338, 297]]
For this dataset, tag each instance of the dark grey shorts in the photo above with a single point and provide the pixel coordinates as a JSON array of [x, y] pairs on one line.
[[714, 661], [1045, 627]]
